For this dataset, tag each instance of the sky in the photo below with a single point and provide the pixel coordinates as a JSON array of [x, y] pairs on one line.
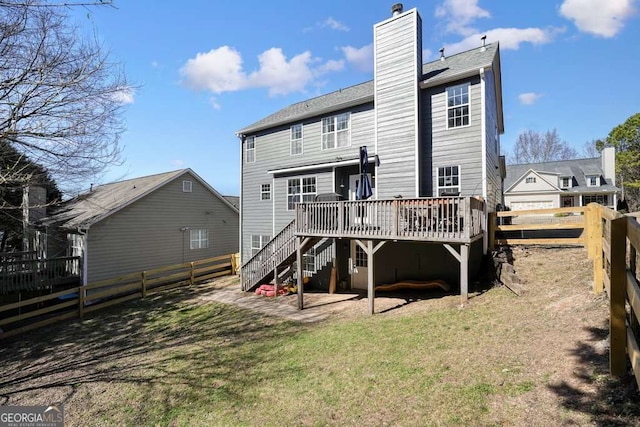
[[203, 69]]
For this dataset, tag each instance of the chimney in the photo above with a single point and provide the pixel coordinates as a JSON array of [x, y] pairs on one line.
[[396, 9], [608, 158]]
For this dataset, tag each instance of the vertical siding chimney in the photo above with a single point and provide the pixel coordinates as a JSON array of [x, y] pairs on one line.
[[608, 158], [397, 70]]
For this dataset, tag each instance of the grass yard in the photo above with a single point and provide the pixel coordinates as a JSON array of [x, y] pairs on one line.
[[538, 359]]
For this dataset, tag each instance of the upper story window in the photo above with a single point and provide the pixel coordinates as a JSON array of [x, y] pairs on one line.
[[449, 181], [593, 181], [300, 190], [265, 192], [458, 106], [199, 239], [565, 182], [336, 131], [250, 146], [296, 139], [530, 180], [187, 186]]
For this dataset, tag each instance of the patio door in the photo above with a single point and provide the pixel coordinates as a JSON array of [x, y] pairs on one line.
[[359, 267], [358, 215]]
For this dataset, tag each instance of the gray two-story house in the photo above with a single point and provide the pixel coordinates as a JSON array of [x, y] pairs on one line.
[[432, 132]]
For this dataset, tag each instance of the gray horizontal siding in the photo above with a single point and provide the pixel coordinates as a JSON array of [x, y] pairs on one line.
[[494, 182], [146, 234], [398, 48]]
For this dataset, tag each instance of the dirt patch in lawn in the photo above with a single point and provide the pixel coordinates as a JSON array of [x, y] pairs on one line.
[[536, 359]]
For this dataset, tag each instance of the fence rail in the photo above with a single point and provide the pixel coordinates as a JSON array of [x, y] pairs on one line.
[[19, 317], [29, 274]]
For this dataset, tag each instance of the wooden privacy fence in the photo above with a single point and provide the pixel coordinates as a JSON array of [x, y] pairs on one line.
[[76, 302]]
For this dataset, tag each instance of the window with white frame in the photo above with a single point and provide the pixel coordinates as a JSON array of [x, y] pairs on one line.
[[336, 131], [300, 190], [296, 139], [458, 106], [593, 181], [199, 239], [250, 147], [187, 186], [265, 192], [565, 182], [603, 199], [449, 181], [309, 262], [530, 180], [258, 242]]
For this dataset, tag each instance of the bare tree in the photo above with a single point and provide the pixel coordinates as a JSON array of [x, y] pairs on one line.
[[61, 98], [533, 147], [592, 148]]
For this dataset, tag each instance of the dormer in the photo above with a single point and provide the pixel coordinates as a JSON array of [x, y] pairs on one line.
[[565, 182], [592, 180]]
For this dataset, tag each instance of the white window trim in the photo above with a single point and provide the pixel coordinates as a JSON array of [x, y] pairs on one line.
[[263, 192], [335, 132], [302, 193], [250, 150], [562, 178], [447, 108], [588, 179], [438, 187], [187, 186], [263, 240], [198, 238], [301, 140]]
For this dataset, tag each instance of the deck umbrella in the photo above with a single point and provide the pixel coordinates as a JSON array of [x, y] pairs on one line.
[[363, 190]]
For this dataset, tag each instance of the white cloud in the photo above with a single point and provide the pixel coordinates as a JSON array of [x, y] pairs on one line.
[[361, 58], [509, 38], [221, 70], [214, 103], [154, 64], [334, 24], [459, 14], [529, 98], [602, 18], [124, 95], [426, 55]]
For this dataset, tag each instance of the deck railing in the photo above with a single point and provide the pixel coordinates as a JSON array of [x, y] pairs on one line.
[[29, 274], [442, 219]]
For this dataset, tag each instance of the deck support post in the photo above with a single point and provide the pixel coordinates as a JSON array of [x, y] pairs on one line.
[[299, 275], [275, 281], [370, 250], [463, 259]]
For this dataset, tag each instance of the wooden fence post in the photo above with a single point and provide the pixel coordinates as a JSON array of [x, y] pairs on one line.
[[233, 264], [596, 250], [618, 291], [144, 284], [491, 229]]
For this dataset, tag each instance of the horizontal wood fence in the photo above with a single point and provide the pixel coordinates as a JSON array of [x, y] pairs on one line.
[[19, 317]]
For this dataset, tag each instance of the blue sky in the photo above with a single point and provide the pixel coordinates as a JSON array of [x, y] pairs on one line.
[[205, 69]]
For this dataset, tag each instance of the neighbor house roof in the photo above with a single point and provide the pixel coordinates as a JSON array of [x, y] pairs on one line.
[[434, 73], [577, 169], [103, 200]]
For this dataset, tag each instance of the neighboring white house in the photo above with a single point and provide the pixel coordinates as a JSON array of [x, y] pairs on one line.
[[564, 183]]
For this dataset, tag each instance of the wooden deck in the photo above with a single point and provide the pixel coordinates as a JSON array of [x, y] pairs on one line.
[[442, 219], [31, 274]]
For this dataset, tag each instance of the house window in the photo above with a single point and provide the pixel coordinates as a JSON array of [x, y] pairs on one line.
[[530, 180], [449, 181], [265, 192], [458, 106], [565, 182], [592, 181], [199, 239], [603, 199], [309, 262], [187, 186], [296, 139], [258, 242], [251, 149], [300, 190], [335, 131]]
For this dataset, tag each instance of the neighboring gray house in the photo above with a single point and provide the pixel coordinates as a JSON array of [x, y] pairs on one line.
[[562, 184], [144, 223], [432, 131]]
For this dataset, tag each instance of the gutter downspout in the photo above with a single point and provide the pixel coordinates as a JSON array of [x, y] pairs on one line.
[[240, 240]]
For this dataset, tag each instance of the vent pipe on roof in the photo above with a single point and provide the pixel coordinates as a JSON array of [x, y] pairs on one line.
[[396, 9], [441, 54], [484, 43]]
